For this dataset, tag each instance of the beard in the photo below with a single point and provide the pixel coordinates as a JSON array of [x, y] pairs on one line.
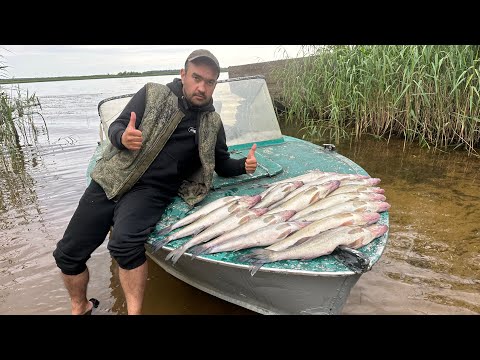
[[198, 99]]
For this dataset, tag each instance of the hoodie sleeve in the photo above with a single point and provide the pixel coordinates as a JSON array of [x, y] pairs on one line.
[[224, 165], [117, 128]]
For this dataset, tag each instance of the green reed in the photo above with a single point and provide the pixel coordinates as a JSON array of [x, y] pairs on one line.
[[428, 94], [18, 125], [19, 134]]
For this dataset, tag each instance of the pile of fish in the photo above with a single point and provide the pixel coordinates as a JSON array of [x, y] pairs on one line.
[[303, 217]]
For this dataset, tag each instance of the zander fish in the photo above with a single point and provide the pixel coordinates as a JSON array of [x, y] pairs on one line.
[[277, 193], [245, 229], [212, 218], [343, 178], [235, 220], [307, 198], [261, 237], [353, 205], [317, 246], [202, 211], [330, 201], [357, 188], [327, 223]]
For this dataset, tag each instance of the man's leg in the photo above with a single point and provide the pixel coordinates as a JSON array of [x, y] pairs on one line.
[[133, 284], [76, 286], [86, 231], [136, 215]]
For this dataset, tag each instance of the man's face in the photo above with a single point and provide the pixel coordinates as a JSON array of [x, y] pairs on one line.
[[199, 81]]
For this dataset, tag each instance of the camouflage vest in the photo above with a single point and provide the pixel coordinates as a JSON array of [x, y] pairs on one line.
[[117, 171]]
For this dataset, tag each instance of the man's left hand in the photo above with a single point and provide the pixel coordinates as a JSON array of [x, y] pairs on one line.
[[251, 162]]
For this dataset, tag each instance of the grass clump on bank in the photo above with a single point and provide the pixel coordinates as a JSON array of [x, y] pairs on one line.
[[428, 94]]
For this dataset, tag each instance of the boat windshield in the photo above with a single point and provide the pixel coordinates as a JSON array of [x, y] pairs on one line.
[[244, 104], [247, 110]]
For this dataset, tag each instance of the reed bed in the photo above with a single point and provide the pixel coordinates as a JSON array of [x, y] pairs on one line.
[[19, 133], [427, 94]]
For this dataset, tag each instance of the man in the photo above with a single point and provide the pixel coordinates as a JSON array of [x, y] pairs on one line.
[[167, 141]]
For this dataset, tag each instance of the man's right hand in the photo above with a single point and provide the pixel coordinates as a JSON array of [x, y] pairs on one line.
[[131, 137]]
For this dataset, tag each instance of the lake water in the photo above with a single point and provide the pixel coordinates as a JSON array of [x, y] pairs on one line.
[[431, 264]]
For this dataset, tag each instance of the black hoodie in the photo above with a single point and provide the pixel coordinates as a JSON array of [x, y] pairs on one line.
[[179, 157]]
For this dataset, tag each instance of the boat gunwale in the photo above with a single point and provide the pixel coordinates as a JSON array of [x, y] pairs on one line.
[[262, 269]]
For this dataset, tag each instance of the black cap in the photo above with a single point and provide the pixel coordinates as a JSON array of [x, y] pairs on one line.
[[205, 54]]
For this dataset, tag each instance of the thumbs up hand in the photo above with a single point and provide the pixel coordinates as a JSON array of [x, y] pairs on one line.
[[132, 137], [251, 162]]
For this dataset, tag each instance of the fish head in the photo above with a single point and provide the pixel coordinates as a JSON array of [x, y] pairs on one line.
[[252, 200], [297, 184], [383, 206], [378, 230], [332, 185], [376, 196], [373, 181], [370, 217], [287, 214]]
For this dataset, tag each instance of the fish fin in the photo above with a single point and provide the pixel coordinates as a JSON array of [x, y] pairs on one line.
[[284, 234], [244, 220], [314, 199], [357, 230], [301, 241], [347, 222], [353, 259]]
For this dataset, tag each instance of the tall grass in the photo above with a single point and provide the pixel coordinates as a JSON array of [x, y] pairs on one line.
[[427, 94], [19, 132], [17, 121]]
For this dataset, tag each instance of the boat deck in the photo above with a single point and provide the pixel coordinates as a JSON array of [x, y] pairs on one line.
[[277, 160]]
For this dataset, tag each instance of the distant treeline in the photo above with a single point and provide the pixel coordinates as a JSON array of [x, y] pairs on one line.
[[122, 74]]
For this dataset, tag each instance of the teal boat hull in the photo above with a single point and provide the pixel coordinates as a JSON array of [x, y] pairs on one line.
[[317, 286]]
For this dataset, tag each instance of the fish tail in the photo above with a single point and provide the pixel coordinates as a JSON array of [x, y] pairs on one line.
[[255, 268], [172, 253], [259, 258], [165, 230], [199, 250], [175, 254], [244, 258], [158, 244], [247, 257]]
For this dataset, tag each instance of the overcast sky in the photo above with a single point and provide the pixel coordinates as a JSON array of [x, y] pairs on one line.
[[65, 60]]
